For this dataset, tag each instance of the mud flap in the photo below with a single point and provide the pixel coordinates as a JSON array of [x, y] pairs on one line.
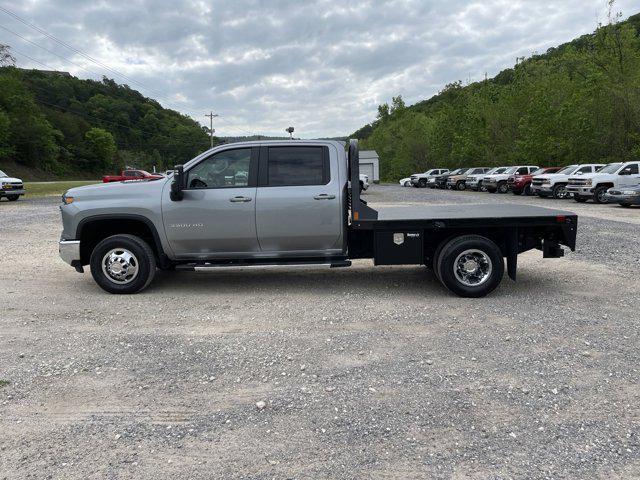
[[512, 253]]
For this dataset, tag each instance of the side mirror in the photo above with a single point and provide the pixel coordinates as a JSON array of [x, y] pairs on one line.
[[178, 184]]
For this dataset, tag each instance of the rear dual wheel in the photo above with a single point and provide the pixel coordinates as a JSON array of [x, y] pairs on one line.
[[470, 266]]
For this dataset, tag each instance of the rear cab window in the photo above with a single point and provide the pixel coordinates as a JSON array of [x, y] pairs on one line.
[[295, 166]]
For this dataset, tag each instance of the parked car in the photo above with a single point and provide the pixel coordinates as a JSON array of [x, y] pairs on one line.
[[191, 222], [421, 179], [405, 182], [497, 182], [364, 181], [458, 181], [595, 185], [440, 181], [474, 182], [555, 185], [519, 184], [131, 175], [624, 197], [11, 187]]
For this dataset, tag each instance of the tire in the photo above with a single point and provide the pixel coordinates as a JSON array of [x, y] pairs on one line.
[[486, 255], [361, 185], [516, 192], [560, 191], [528, 191], [13, 198], [422, 183], [480, 187], [599, 195], [461, 186], [406, 184], [121, 247], [580, 199], [503, 187]]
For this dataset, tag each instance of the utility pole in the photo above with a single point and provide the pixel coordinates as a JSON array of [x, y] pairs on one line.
[[211, 116]]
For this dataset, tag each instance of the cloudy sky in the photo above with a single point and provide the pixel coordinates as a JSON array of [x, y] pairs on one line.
[[322, 66]]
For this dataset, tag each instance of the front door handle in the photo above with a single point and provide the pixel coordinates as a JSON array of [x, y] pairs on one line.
[[324, 196], [239, 199]]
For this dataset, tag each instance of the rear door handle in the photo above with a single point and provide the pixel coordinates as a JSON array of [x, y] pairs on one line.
[[324, 196], [239, 199]]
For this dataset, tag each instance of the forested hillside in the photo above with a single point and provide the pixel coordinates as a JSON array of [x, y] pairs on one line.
[[579, 102], [56, 125]]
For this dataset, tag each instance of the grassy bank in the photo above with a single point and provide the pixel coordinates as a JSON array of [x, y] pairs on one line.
[[43, 189]]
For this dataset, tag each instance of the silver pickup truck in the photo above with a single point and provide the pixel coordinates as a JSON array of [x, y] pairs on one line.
[[290, 203]]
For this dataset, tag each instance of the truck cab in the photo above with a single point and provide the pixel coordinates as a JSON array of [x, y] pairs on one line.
[[594, 186], [296, 202]]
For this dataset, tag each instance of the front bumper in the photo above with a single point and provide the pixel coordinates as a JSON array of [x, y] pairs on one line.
[[70, 252], [621, 198], [545, 187], [580, 190], [10, 191]]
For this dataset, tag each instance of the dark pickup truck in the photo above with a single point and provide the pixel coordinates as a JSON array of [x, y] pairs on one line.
[[267, 203]]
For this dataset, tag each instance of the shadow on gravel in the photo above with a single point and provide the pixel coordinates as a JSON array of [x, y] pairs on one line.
[[383, 281]]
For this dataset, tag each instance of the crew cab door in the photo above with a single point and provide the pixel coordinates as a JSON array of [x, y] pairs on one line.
[[216, 217], [629, 176], [298, 208]]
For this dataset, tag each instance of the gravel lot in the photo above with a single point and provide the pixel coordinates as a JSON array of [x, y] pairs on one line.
[[364, 373]]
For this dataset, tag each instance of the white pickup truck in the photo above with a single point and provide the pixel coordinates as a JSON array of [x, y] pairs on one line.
[[595, 185], [555, 184], [10, 187], [421, 179]]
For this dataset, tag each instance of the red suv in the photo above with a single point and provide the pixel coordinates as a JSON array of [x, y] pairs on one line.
[[520, 184]]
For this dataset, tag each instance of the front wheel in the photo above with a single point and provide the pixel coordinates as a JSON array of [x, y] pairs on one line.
[[13, 198], [560, 192], [528, 191], [406, 184], [123, 264], [422, 183], [470, 266], [461, 186], [503, 187], [600, 195]]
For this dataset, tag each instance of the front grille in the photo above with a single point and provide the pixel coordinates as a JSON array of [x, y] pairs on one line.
[[577, 181], [536, 181]]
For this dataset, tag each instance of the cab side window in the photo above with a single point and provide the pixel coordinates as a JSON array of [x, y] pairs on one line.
[[630, 169], [226, 169], [297, 166], [585, 170], [522, 171], [130, 173]]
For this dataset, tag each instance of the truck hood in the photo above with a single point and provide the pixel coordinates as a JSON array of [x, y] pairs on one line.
[[10, 180], [599, 176], [498, 176], [125, 189]]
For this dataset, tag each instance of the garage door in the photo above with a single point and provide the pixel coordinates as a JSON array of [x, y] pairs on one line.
[[367, 169]]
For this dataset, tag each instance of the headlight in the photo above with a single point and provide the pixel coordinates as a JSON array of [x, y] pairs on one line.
[[2, 184], [588, 182], [546, 180], [66, 199]]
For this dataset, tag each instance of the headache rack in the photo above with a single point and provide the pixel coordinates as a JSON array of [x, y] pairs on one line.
[[359, 208]]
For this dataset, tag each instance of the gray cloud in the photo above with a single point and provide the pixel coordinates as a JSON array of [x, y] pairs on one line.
[[321, 66]]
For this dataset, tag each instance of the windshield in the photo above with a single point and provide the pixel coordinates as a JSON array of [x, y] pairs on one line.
[[569, 170], [2, 174], [457, 171], [496, 170], [510, 170], [611, 168], [539, 171]]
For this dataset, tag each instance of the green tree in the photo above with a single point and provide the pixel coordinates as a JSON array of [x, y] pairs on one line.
[[102, 148]]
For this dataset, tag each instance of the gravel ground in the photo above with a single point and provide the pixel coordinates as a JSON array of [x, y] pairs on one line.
[[348, 373]]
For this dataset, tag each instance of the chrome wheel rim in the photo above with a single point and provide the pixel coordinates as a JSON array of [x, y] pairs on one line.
[[562, 191], [602, 196], [120, 266], [472, 267]]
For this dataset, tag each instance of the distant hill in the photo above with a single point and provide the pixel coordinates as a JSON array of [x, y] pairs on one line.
[[578, 102], [54, 125]]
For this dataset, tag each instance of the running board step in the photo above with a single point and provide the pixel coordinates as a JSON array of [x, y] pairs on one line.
[[208, 267]]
